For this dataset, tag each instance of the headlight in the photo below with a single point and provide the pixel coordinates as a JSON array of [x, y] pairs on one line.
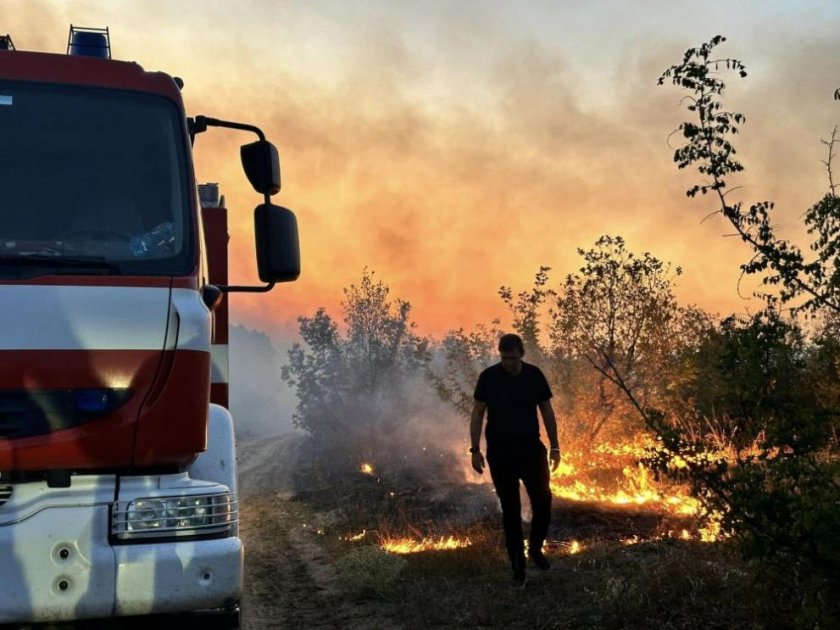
[[164, 517], [145, 514]]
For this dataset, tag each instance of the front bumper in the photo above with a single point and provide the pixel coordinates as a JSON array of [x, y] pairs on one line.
[[57, 562], [178, 577]]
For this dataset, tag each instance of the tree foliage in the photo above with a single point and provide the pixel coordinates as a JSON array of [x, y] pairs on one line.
[[527, 309], [460, 358], [354, 385], [804, 284], [757, 378], [618, 309]]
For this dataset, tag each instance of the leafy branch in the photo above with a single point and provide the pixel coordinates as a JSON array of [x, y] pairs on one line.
[[709, 147]]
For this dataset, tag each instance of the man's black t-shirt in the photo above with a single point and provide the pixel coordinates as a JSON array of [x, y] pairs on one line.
[[512, 402]]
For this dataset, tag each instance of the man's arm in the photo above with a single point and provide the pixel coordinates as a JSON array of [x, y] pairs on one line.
[[476, 422], [550, 423]]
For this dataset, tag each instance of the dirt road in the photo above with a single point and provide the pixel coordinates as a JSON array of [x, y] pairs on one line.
[[290, 582]]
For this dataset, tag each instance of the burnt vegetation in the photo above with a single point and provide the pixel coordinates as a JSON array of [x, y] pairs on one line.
[[739, 414]]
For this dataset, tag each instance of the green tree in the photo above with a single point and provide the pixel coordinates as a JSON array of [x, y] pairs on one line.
[[804, 284], [781, 496], [750, 376], [355, 387], [823, 367], [617, 310]]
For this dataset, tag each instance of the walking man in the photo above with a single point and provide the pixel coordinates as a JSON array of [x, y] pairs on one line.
[[510, 392]]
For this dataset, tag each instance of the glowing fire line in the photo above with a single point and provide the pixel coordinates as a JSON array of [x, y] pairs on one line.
[[574, 480], [408, 545], [635, 486]]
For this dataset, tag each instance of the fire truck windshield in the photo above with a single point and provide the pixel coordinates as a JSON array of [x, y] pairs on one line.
[[93, 174]]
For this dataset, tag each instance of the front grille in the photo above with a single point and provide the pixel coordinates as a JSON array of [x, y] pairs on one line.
[[5, 494]]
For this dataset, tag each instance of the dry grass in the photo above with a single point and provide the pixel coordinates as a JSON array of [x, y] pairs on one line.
[[658, 583], [662, 584], [369, 571]]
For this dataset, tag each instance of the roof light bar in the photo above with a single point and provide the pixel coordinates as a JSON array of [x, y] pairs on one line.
[[89, 42]]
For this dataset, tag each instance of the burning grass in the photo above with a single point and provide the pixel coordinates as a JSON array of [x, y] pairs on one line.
[[598, 585], [612, 474], [409, 545], [617, 563], [414, 517], [594, 583]]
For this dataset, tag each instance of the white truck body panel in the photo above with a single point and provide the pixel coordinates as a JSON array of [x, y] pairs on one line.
[[218, 462], [54, 537], [50, 317], [178, 577], [59, 563]]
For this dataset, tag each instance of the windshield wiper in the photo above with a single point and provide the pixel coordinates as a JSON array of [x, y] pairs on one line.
[[63, 264]]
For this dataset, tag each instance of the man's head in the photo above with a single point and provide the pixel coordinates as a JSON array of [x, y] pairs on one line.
[[511, 352]]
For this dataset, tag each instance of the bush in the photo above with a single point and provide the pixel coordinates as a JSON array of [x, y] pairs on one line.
[[781, 494]]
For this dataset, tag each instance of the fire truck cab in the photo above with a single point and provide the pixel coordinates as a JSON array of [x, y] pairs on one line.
[[117, 461]]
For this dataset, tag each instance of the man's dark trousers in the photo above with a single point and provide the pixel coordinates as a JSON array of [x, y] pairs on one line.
[[509, 462]]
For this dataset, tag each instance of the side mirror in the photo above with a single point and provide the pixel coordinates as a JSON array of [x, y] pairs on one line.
[[262, 166], [278, 247]]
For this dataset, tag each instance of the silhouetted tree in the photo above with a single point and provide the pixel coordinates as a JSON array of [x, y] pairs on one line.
[[458, 360], [781, 496], [815, 282], [355, 388], [618, 309]]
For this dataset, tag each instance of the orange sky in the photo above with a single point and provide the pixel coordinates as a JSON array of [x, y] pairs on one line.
[[456, 147]]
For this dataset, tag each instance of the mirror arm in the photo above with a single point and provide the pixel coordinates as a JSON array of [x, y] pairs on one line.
[[202, 122], [243, 289], [199, 124]]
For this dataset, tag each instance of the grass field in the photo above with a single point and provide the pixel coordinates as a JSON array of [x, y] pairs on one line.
[[612, 567]]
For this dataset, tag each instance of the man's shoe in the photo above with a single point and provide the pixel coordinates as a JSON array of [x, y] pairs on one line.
[[539, 560], [519, 575]]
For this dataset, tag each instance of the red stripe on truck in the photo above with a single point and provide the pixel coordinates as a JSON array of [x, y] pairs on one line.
[[166, 431]]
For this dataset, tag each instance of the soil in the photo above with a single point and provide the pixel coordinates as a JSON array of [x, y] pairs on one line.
[[290, 581]]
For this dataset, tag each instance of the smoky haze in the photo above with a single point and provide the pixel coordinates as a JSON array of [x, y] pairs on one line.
[[403, 430], [260, 402], [458, 146], [406, 425]]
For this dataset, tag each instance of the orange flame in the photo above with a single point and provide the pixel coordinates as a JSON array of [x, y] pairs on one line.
[[356, 537], [408, 545], [575, 480]]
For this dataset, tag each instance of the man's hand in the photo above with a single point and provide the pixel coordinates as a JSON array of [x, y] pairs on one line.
[[478, 463], [553, 459]]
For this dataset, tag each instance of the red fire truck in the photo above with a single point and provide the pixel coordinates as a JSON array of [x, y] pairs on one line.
[[117, 461]]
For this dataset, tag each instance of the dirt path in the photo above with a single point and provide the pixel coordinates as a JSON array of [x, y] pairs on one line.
[[279, 590], [290, 582]]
